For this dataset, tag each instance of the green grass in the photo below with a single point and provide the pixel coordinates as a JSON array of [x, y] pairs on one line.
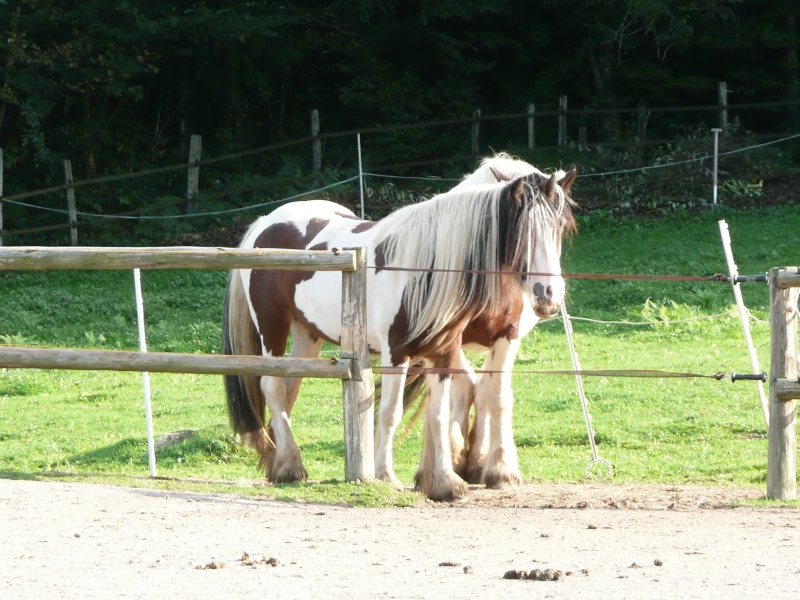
[[90, 425]]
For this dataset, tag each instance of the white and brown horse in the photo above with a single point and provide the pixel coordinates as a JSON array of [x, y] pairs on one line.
[[452, 250], [486, 452]]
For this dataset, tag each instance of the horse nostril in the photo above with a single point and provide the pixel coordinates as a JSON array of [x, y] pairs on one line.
[[549, 292]]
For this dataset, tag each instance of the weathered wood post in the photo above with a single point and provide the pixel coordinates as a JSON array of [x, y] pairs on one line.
[[316, 143], [359, 390], [722, 94], [784, 387], [193, 175], [73, 213], [562, 120], [531, 125], [476, 132]]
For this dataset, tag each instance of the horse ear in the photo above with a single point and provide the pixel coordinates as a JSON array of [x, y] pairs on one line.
[[549, 188], [498, 175], [518, 190], [568, 179]]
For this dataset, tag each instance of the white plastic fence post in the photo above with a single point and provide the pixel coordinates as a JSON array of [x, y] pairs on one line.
[[360, 174], [148, 409], [743, 317], [716, 131]]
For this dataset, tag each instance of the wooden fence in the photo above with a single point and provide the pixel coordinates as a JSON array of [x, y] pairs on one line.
[[528, 133], [784, 385], [353, 368]]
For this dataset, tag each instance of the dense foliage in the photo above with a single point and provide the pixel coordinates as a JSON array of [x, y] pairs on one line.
[[120, 86]]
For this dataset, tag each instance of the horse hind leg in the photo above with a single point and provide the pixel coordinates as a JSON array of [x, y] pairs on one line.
[[283, 461], [285, 464], [462, 395], [478, 440]]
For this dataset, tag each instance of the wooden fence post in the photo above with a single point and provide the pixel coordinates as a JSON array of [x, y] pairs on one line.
[[359, 390], [73, 213], [562, 120], [1, 196], [784, 387], [583, 138], [193, 175], [476, 132], [316, 143], [722, 94], [531, 125]]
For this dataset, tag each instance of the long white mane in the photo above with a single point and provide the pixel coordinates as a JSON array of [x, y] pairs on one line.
[[451, 233]]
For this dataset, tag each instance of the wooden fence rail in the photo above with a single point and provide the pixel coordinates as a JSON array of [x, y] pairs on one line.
[[784, 388], [353, 368]]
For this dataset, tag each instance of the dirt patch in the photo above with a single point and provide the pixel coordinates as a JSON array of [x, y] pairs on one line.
[[608, 496]]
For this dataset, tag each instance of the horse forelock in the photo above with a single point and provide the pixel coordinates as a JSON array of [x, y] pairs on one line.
[[533, 212]]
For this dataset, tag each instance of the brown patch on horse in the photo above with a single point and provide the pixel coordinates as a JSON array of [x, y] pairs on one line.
[[380, 255], [502, 321], [442, 350], [272, 292], [363, 226]]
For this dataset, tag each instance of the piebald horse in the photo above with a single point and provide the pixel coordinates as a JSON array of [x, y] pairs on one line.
[[486, 452], [460, 259]]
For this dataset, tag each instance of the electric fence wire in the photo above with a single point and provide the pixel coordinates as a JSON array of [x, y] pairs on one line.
[[367, 174]]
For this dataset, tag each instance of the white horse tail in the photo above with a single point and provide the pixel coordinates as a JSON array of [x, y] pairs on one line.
[[246, 402]]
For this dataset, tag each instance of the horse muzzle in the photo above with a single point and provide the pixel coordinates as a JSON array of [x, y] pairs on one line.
[[547, 303], [546, 310]]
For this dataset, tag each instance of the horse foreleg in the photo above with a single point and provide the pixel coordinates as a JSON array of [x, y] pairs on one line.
[[436, 477], [462, 394], [284, 464], [478, 440], [390, 412], [501, 467]]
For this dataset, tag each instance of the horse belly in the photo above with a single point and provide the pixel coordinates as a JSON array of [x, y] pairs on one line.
[[318, 301]]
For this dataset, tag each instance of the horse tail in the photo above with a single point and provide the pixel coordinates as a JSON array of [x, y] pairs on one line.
[[246, 402]]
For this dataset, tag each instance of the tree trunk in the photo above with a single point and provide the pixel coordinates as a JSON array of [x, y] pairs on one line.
[[604, 74], [793, 70]]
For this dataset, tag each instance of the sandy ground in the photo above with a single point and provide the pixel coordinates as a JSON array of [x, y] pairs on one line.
[[66, 540]]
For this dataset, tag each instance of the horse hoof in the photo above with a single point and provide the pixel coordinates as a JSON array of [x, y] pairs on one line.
[[395, 483], [474, 474], [447, 488], [496, 480], [288, 475], [390, 478]]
